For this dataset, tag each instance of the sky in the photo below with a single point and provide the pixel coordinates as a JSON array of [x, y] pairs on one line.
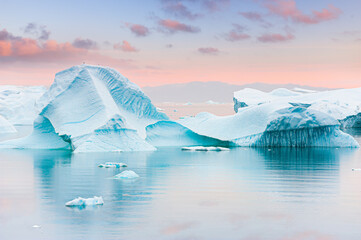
[[157, 42]]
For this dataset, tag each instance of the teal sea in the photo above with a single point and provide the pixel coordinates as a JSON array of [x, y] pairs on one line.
[[245, 193]]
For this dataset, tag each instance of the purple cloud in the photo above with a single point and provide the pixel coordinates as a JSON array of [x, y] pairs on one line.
[[208, 50], [39, 31], [173, 26], [85, 43], [275, 37], [236, 34], [178, 9], [138, 29]]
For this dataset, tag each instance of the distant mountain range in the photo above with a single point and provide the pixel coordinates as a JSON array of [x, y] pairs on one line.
[[198, 92]]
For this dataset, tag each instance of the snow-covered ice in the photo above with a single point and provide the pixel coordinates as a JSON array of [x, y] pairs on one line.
[[113, 165], [252, 97], [342, 104], [6, 126], [18, 103], [85, 202], [170, 133], [272, 125], [92, 108], [127, 174], [202, 148]]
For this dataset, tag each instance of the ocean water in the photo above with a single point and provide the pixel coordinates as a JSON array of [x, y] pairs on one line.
[[246, 193]]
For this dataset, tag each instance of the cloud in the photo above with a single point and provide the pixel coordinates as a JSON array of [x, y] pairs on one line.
[[253, 16], [138, 30], [275, 37], [32, 52], [208, 50], [215, 5], [39, 31], [85, 43], [173, 26], [125, 46], [236, 34], [288, 9], [178, 9]]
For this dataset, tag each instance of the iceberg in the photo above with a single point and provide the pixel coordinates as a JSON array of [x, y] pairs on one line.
[[82, 202], [127, 174], [18, 103], [272, 125], [342, 104], [202, 148], [112, 165], [92, 108]]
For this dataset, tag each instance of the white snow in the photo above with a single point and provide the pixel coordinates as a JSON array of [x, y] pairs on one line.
[[127, 174], [252, 97], [113, 165], [202, 148], [92, 108], [6, 126], [18, 103], [85, 202]]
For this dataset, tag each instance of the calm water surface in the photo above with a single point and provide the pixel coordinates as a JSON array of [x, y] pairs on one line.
[[277, 193]]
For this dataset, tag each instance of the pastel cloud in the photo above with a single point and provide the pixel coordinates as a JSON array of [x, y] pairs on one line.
[[208, 50], [138, 29], [38, 31], [125, 46], [85, 43], [253, 16], [275, 37], [237, 34], [215, 5], [173, 26], [288, 9], [178, 9]]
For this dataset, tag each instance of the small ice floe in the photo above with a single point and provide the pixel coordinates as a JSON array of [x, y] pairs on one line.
[[113, 165], [356, 169], [36, 226], [160, 109], [127, 174], [201, 148], [82, 202]]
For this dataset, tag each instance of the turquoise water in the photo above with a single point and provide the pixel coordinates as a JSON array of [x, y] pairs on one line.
[[245, 193]]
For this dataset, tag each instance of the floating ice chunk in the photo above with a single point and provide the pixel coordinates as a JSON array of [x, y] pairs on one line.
[[113, 165], [356, 169], [127, 174], [36, 226], [85, 202], [201, 148]]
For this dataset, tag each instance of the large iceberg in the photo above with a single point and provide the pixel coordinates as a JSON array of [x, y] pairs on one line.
[[92, 108], [18, 103], [266, 125], [342, 104]]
